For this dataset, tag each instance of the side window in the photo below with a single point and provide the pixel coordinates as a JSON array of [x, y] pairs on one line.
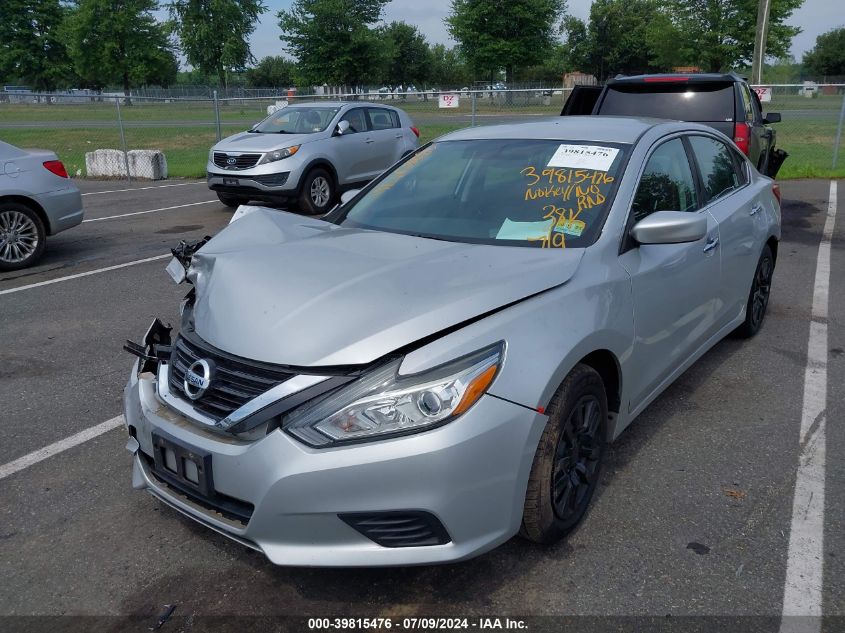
[[667, 183], [357, 120], [718, 167], [745, 91], [380, 119], [394, 116]]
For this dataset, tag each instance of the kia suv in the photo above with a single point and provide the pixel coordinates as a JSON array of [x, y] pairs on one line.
[[308, 153]]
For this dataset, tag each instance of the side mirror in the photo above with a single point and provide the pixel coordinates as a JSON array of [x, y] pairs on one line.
[[342, 128], [772, 117], [346, 196], [670, 227]]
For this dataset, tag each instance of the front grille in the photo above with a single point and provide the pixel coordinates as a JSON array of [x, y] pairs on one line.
[[242, 161], [272, 180], [406, 528], [236, 380]]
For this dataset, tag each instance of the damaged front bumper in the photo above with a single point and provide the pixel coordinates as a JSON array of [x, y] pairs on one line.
[[458, 488]]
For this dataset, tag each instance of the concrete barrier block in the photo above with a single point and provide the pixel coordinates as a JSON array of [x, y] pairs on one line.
[[146, 164], [105, 163], [149, 164]]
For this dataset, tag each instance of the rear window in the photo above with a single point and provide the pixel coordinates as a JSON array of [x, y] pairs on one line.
[[684, 102]]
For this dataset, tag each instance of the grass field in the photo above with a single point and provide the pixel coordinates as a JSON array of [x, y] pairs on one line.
[[185, 130]]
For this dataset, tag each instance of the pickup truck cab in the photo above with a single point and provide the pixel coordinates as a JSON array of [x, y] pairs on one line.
[[722, 101]]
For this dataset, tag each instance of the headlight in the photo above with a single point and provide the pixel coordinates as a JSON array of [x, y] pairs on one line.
[[279, 154], [383, 403]]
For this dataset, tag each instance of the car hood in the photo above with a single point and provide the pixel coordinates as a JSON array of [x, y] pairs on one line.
[[255, 142], [281, 288]]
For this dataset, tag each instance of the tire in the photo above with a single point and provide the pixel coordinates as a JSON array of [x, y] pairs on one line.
[[22, 236], [758, 296], [231, 200], [560, 488], [318, 192]]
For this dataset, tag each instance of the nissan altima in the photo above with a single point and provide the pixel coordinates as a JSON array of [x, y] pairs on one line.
[[438, 364]]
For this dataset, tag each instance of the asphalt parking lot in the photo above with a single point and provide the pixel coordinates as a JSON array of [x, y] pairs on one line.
[[692, 515]]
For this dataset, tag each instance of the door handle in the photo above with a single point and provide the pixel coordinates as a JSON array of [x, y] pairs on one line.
[[712, 243], [756, 209], [398, 136], [369, 140]]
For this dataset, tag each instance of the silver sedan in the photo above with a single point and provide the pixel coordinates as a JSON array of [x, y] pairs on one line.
[[37, 199], [439, 363]]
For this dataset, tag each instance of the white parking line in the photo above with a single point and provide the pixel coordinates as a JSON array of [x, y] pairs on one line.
[[181, 184], [85, 274], [62, 445], [124, 215], [802, 595]]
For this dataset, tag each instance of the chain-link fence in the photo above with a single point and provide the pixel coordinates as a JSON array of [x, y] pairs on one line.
[[143, 133]]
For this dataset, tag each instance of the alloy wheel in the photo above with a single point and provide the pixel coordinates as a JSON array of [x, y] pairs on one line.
[[320, 191], [760, 291], [18, 237], [576, 458]]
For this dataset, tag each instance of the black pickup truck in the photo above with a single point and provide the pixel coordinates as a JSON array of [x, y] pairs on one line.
[[723, 101]]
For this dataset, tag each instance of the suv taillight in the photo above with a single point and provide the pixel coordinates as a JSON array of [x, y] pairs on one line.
[[776, 191], [741, 133], [415, 131], [56, 167]]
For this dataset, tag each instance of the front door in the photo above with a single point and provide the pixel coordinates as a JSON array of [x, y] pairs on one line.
[[674, 286]]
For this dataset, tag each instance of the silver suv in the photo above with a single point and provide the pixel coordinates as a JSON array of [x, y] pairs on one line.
[[310, 152]]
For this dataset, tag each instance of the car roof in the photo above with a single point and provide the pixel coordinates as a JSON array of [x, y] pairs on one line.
[[338, 104], [697, 78], [605, 129]]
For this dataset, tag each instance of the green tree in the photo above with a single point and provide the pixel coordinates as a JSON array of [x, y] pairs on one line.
[[718, 35], [214, 34], [333, 42], [827, 57], [31, 50], [575, 49], [620, 37], [509, 34], [119, 41], [448, 68], [271, 72], [409, 57]]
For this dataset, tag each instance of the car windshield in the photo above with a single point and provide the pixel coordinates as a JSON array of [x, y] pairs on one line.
[[296, 120], [538, 193]]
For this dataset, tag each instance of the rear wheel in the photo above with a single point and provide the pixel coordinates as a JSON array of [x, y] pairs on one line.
[[568, 459], [318, 192], [22, 236], [758, 297], [231, 200]]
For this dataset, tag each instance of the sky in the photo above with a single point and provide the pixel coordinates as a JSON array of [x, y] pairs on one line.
[[814, 18]]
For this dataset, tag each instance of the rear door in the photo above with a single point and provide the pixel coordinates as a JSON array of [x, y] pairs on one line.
[[386, 134], [675, 287], [736, 204], [581, 100]]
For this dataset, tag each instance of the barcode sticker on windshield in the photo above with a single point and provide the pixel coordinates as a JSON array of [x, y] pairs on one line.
[[584, 157]]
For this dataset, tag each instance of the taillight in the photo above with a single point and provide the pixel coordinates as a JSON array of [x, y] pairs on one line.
[[56, 167], [662, 79], [741, 132], [776, 191], [415, 131]]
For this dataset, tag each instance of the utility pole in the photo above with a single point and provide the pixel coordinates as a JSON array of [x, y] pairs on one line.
[[760, 35]]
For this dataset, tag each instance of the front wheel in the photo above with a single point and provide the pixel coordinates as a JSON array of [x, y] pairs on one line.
[[758, 297], [568, 459], [318, 192], [22, 236]]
